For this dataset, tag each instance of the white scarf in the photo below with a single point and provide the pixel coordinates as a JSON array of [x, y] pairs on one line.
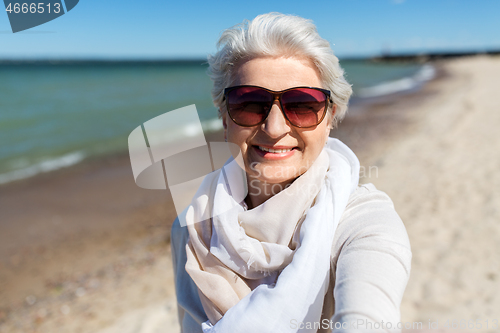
[[267, 269]]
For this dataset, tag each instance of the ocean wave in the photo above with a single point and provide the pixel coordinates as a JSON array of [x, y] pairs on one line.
[[426, 73], [212, 125], [24, 170], [188, 130], [44, 166]]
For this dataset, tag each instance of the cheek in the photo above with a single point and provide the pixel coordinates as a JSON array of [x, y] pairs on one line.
[[234, 134], [315, 142], [238, 135]]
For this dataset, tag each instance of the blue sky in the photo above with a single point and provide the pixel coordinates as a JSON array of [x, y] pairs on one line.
[[126, 29]]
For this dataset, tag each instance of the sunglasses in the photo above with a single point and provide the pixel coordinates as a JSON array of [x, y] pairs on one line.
[[302, 106]]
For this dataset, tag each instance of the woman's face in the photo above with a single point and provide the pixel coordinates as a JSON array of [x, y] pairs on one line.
[[302, 145]]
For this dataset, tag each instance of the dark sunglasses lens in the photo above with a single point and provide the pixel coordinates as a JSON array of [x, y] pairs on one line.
[[304, 107], [248, 106]]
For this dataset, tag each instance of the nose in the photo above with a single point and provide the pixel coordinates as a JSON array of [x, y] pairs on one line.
[[275, 124]]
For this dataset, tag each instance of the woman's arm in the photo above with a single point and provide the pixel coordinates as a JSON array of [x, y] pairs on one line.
[[372, 256]]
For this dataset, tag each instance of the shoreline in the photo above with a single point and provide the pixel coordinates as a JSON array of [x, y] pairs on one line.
[[83, 246], [373, 123]]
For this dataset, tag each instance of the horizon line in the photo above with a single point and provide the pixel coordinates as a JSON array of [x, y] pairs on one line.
[[193, 60]]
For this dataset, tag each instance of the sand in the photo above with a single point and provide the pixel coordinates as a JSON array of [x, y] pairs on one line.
[[444, 181], [84, 250]]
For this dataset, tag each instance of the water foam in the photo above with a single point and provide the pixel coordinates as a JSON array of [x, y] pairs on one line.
[[44, 166], [25, 170], [426, 73]]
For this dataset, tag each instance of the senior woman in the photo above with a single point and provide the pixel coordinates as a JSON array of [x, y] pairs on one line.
[[307, 249]]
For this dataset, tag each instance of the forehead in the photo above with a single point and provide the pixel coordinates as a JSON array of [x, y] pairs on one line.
[[277, 73]]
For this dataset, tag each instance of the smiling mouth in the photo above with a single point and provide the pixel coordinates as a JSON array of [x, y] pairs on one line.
[[275, 151]]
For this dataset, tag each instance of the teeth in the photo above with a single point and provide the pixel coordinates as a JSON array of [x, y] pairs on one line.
[[275, 151]]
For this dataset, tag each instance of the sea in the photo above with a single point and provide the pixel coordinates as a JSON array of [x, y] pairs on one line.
[[56, 114]]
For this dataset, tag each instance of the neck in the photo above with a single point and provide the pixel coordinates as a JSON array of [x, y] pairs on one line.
[[260, 191]]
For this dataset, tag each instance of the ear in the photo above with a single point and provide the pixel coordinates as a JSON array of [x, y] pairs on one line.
[[329, 126]]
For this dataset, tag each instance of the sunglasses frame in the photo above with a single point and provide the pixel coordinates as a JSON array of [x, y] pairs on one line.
[[277, 96]]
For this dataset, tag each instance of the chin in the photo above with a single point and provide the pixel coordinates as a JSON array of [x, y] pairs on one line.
[[275, 174]]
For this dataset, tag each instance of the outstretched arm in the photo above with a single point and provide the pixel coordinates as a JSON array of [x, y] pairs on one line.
[[372, 256]]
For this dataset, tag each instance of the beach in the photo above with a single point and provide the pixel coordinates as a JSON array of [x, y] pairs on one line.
[[83, 249], [443, 178]]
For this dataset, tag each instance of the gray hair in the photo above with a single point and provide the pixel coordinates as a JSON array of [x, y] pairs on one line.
[[276, 35]]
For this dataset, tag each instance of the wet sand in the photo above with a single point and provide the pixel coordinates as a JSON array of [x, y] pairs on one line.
[[84, 249]]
